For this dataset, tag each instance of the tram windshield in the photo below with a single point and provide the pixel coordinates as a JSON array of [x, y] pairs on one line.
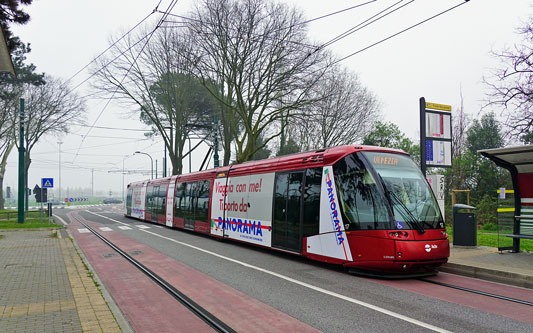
[[363, 206], [410, 197]]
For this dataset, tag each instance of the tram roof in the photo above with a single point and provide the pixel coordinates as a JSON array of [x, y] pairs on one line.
[[314, 158], [310, 159], [520, 157]]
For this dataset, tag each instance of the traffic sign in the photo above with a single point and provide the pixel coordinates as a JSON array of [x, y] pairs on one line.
[[47, 182]]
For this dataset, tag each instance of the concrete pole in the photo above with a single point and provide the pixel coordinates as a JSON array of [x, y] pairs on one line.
[[59, 178]]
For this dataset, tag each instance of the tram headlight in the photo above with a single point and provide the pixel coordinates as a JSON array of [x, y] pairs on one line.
[[399, 234]]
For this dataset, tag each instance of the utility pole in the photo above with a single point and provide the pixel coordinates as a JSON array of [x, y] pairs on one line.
[[164, 162], [123, 158], [22, 184], [92, 183], [215, 148], [59, 178]]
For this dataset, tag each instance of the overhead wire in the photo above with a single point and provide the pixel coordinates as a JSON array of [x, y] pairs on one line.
[[290, 26], [362, 25], [115, 128], [398, 33], [162, 20], [110, 46], [169, 8]]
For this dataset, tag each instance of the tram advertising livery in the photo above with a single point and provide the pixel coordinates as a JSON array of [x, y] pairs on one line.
[[366, 208]]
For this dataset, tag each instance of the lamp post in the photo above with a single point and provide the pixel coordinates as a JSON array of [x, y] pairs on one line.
[[151, 160]]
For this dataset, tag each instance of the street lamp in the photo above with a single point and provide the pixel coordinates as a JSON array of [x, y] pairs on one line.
[[151, 160]]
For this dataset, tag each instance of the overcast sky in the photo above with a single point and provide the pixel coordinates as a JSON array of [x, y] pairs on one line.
[[433, 60]]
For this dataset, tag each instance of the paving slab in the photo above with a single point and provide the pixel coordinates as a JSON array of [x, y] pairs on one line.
[[44, 285]]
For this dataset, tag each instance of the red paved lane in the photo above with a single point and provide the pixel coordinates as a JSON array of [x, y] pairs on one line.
[[488, 304], [145, 305], [236, 309]]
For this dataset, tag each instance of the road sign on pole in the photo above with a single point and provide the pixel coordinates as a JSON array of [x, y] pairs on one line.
[[47, 182]]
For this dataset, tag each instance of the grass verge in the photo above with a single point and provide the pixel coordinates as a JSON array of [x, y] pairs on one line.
[[30, 223], [492, 239]]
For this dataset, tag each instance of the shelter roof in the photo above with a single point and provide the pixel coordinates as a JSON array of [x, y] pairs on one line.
[[520, 157]]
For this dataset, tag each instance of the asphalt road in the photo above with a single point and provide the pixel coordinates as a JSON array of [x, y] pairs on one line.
[[322, 296]]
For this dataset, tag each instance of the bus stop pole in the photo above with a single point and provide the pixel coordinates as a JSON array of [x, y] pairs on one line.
[[423, 135]]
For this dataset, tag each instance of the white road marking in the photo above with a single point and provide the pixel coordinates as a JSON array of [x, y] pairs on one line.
[[105, 229], [300, 283], [83, 230], [123, 227], [60, 219], [143, 227]]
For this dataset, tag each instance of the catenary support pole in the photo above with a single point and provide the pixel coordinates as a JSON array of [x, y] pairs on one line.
[[215, 148], [22, 183]]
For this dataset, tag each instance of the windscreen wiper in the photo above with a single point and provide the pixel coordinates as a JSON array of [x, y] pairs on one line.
[[407, 215]]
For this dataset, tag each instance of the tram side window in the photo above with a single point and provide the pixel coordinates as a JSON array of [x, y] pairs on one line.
[[311, 220], [202, 201], [160, 204], [155, 200], [181, 200], [363, 206], [129, 197], [191, 193], [149, 199]]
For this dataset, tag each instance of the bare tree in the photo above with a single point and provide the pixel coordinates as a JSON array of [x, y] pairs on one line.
[[344, 112], [49, 109], [511, 86], [11, 90], [151, 73], [255, 50], [7, 109], [461, 122]]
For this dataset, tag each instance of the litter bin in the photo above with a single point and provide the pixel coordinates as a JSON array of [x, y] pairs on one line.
[[464, 226]]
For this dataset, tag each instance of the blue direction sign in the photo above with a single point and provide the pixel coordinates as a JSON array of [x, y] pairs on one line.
[[47, 182]]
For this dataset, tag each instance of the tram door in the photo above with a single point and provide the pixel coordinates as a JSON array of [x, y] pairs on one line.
[[286, 225]]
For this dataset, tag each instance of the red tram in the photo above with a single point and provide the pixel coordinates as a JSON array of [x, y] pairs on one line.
[[366, 208]]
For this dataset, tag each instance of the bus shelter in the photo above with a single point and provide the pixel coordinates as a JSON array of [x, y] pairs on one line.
[[519, 161]]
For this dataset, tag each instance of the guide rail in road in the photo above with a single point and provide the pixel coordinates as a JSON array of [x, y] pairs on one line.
[[199, 311], [505, 298]]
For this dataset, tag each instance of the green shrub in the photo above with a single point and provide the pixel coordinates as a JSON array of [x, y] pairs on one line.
[[486, 211], [490, 227]]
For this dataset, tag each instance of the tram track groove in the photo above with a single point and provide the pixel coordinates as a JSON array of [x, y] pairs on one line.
[[192, 306], [292, 280], [478, 292]]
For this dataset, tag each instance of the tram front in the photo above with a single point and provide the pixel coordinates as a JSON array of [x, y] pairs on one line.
[[390, 215]]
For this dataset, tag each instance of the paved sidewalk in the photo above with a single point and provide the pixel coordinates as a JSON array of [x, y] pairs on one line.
[[45, 286]]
